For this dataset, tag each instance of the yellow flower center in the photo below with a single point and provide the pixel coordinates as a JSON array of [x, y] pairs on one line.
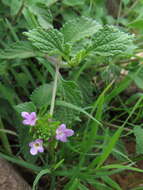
[[36, 145]]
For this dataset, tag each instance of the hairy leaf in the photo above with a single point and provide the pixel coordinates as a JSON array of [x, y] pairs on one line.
[[110, 41], [75, 30], [86, 88], [70, 93], [43, 14], [20, 50], [42, 95], [49, 41], [27, 107]]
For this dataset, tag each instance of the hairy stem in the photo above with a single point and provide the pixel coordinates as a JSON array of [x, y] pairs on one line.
[[54, 89]]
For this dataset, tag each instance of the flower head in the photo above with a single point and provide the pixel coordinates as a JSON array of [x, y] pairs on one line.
[[29, 118], [62, 133], [36, 146]]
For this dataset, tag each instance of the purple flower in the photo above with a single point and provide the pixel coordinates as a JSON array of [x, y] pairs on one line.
[[36, 146], [62, 133], [29, 118]]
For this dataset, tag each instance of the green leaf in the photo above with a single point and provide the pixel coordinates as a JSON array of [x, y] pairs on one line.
[[121, 86], [70, 93], [86, 89], [72, 185], [139, 82], [107, 149], [76, 108], [3, 67], [19, 50], [73, 2], [138, 79], [110, 182], [98, 185], [7, 93], [78, 58], [27, 107], [22, 79], [110, 41], [77, 29], [43, 14], [39, 175], [118, 166], [30, 18], [19, 162], [15, 6], [137, 24], [82, 187], [138, 132], [42, 95], [49, 41]]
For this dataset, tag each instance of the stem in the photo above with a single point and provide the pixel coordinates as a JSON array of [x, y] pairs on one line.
[[54, 89]]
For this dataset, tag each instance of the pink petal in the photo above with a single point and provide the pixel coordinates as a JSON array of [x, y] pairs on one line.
[[33, 114], [41, 149], [57, 137], [26, 122], [25, 115], [62, 127], [69, 132], [40, 141], [63, 138], [33, 151], [31, 144]]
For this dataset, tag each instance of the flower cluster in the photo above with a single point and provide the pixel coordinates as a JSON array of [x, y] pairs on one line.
[[61, 132]]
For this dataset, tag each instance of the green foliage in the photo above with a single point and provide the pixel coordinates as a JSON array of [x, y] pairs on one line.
[[70, 93], [86, 89], [27, 106], [138, 132], [76, 60], [49, 42], [110, 41], [43, 14], [75, 30], [97, 91], [41, 96], [7, 93], [73, 2], [20, 50]]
